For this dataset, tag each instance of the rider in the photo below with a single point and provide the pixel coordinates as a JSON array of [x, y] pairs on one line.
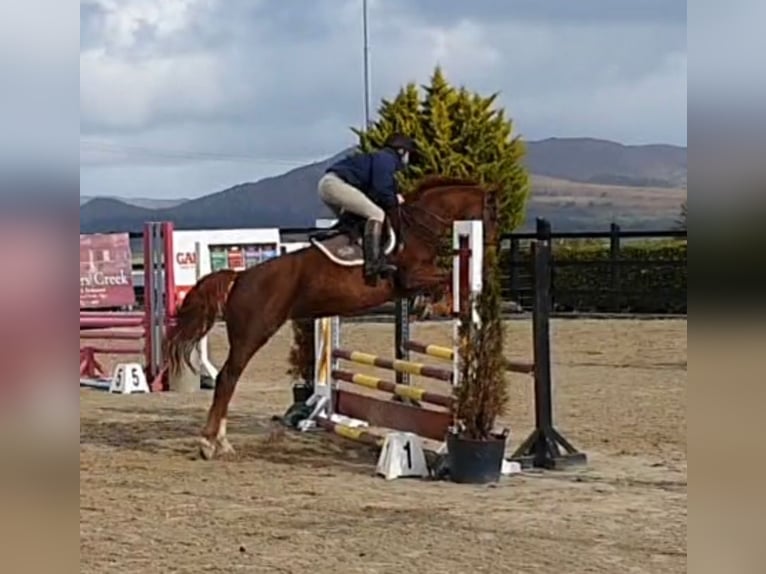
[[365, 184]]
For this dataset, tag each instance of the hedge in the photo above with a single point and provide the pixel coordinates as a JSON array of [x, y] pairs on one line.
[[646, 277]]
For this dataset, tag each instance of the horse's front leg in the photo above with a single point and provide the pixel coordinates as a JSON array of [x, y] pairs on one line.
[[428, 286], [417, 280]]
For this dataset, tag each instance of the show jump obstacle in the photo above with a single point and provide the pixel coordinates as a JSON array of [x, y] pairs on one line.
[[347, 413], [143, 330], [339, 410], [545, 447], [174, 260]]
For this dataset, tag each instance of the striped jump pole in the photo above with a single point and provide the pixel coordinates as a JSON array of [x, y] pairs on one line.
[[403, 391], [350, 433], [448, 354], [394, 365], [436, 351]]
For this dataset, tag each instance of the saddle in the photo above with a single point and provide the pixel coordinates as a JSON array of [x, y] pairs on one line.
[[343, 242]]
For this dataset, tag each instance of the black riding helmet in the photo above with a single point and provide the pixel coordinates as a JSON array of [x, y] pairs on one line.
[[400, 142]]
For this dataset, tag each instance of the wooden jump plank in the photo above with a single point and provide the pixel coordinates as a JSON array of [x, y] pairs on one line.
[[390, 414]]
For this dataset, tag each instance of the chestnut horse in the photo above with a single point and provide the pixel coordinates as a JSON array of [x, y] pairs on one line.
[[308, 284]]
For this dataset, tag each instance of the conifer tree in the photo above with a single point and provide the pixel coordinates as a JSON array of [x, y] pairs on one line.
[[459, 134]]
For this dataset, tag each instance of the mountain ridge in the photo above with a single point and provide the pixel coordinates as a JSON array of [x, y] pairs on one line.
[[582, 182]]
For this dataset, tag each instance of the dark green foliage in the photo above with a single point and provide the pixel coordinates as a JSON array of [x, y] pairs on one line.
[[482, 395], [459, 134], [650, 277], [643, 287]]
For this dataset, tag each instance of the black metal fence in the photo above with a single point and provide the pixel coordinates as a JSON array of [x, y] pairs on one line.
[[616, 290], [613, 285]]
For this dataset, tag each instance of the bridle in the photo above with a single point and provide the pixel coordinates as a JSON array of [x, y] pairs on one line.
[[429, 226]]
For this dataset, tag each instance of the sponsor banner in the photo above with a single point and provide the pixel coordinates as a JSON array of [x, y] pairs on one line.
[[237, 249], [106, 271]]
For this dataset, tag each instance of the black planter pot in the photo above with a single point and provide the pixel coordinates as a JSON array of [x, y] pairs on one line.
[[302, 392], [473, 461]]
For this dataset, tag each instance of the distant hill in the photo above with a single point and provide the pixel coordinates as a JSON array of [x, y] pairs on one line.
[[288, 200], [603, 162], [104, 214], [146, 202], [577, 184], [572, 206]]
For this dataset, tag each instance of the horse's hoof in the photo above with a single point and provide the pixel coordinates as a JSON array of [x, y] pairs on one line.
[[206, 449], [224, 446], [416, 305], [423, 311]]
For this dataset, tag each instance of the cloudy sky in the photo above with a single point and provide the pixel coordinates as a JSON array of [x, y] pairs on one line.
[[179, 98]]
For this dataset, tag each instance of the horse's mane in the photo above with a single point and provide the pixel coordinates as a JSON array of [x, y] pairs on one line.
[[429, 182]]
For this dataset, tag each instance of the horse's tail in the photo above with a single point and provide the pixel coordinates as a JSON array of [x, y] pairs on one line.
[[196, 316]]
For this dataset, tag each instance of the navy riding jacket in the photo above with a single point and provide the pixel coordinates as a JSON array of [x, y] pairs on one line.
[[373, 174]]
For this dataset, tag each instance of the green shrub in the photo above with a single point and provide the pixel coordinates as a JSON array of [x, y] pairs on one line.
[[647, 277], [482, 395]]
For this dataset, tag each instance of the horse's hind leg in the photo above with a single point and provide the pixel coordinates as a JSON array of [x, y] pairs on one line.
[[243, 345], [213, 440]]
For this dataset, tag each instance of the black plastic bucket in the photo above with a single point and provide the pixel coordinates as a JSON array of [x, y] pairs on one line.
[[302, 392], [473, 461]]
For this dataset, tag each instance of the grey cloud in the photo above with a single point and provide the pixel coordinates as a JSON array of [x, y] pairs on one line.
[[91, 20], [550, 12], [283, 80]]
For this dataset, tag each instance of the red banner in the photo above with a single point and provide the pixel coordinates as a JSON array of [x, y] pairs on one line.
[[106, 271]]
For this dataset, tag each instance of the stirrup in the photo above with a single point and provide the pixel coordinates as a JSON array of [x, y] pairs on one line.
[[381, 267]]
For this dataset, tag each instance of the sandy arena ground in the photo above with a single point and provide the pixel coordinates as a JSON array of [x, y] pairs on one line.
[[291, 503]]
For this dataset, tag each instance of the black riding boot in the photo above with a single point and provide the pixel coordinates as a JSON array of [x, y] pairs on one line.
[[374, 263]]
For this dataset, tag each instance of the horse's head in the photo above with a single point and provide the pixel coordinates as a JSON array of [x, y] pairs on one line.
[[437, 202]]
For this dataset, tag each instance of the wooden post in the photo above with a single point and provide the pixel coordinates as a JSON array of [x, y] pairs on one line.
[[545, 447], [614, 267]]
